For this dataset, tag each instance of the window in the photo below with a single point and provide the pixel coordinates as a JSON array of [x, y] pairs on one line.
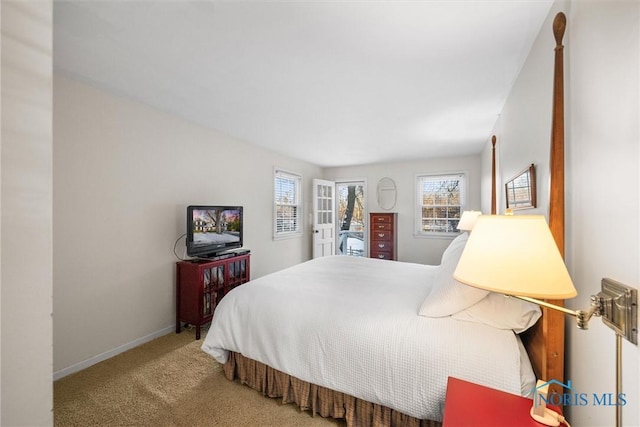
[[288, 204], [440, 202]]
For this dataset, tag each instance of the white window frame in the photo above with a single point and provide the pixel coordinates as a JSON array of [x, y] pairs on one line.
[[419, 197], [296, 179]]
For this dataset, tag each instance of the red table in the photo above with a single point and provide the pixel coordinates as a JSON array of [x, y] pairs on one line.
[[468, 404]]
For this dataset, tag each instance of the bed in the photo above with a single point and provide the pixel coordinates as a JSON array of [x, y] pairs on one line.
[[351, 325], [374, 341]]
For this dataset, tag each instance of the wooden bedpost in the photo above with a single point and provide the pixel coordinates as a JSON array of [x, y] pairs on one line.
[[555, 352], [493, 175], [545, 341], [556, 196]]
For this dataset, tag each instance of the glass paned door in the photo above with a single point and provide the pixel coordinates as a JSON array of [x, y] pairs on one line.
[[350, 218], [323, 218]]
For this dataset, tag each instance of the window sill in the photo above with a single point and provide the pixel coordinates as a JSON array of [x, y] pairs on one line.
[[449, 236], [287, 236]]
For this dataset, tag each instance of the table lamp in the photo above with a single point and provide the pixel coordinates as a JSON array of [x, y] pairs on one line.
[[467, 220], [516, 255]]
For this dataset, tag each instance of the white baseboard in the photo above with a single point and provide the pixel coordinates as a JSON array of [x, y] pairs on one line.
[[109, 354]]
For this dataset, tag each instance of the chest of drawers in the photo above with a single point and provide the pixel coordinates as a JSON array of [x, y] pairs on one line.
[[383, 235]]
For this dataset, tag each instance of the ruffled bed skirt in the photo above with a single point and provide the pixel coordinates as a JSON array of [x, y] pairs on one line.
[[319, 400]]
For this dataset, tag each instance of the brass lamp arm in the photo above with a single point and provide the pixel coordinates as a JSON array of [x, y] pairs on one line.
[[580, 314], [616, 304]]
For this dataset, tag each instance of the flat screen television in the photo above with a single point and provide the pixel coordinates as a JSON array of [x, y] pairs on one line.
[[213, 229]]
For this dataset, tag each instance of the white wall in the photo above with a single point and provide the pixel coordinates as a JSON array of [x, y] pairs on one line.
[[602, 183], [25, 263], [124, 174], [410, 248]]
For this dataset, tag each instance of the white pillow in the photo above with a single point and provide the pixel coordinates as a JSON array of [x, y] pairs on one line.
[[448, 296], [502, 312]]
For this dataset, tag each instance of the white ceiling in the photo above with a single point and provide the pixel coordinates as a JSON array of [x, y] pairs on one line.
[[330, 82]]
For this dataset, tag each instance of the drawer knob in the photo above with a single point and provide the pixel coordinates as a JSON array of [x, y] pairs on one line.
[[380, 234], [381, 256], [381, 245]]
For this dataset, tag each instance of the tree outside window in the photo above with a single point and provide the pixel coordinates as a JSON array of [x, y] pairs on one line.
[[351, 219]]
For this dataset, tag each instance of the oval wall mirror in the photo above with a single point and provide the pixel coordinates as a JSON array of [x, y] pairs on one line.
[[386, 193]]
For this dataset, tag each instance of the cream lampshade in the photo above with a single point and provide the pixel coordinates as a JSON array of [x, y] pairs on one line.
[[468, 219], [514, 255]]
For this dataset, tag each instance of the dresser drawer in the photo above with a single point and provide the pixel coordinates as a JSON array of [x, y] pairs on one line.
[[381, 235], [382, 255], [382, 226], [381, 219], [382, 246]]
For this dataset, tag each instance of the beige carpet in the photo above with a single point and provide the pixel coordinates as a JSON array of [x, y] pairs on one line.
[[168, 382]]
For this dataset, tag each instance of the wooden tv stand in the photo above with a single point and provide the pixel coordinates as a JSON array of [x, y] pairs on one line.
[[202, 283]]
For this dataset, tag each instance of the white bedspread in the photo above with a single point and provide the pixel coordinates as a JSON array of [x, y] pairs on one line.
[[351, 324]]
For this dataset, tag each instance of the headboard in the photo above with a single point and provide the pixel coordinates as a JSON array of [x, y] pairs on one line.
[[545, 340]]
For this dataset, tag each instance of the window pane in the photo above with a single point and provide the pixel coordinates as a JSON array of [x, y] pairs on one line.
[[441, 203], [286, 218], [429, 213], [287, 202], [285, 190]]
